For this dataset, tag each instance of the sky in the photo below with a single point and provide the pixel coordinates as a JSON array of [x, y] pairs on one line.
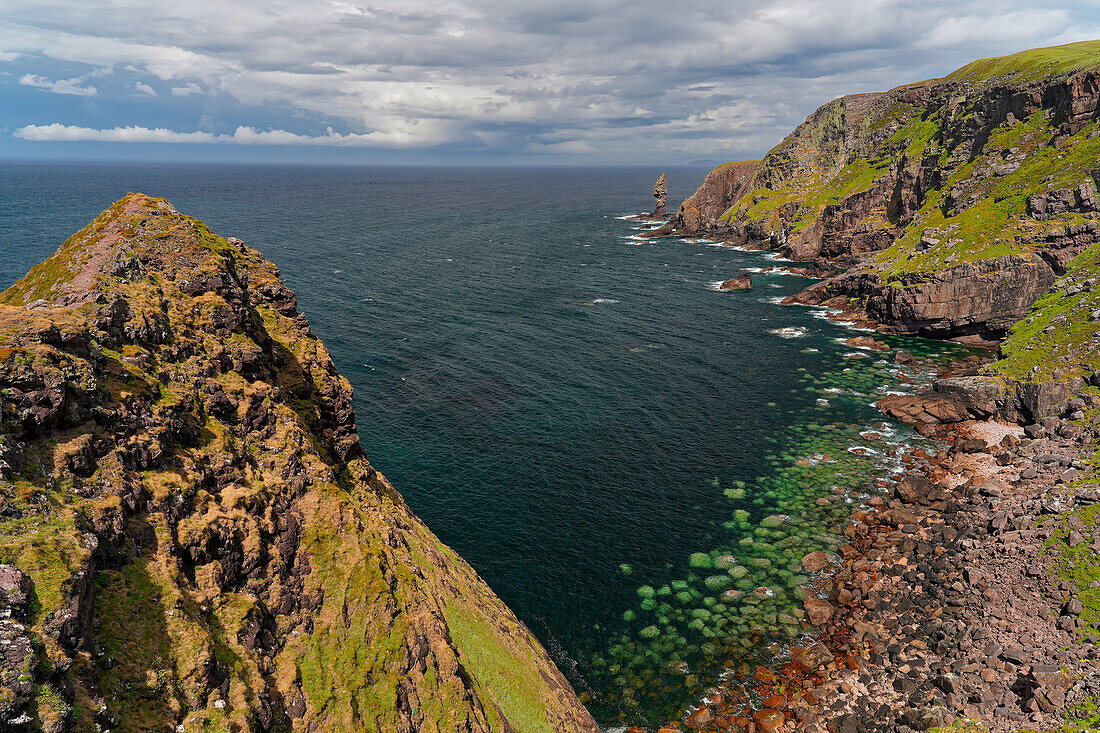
[[472, 81]]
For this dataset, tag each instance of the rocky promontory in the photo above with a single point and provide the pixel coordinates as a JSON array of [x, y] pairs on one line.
[[737, 282], [190, 535], [945, 208], [700, 213], [966, 594]]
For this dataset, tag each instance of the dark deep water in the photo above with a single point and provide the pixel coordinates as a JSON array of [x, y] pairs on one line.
[[574, 412]]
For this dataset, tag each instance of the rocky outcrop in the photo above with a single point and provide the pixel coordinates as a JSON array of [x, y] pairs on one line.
[[722, 187], [980, 299], [185, 498], [984, 397], [737, 282], [944, 199], [660, 194]]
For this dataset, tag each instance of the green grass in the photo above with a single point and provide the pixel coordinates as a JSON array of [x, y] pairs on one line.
[[812, 198], [1080, 565], [1034, 64], [961, 726], [998, 224], [505, 674], [1059, 333]]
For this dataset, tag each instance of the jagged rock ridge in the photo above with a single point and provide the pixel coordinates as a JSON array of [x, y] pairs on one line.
[[204, 546], [950, 205]]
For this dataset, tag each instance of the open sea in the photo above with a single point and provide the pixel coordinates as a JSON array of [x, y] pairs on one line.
[[633, 460]]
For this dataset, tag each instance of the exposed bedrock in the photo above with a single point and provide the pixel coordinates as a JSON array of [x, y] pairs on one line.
[[982, 397], [660, 196], [975, 299], [722, 187]]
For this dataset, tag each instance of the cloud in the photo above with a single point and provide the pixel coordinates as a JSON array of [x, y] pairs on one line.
[[61, 86], [602, 78], [57, 132], [187, 90], [143, 88]]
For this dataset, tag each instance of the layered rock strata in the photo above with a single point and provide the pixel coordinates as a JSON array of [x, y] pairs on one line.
[[945, 208]]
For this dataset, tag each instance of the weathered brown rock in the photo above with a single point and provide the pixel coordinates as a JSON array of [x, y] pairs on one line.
[[738, 282], [15, 590], [815, 561], [818, 610], [660, 193], [699, 719], [867, 342], [768, 720], [721, 188], [812, 658]]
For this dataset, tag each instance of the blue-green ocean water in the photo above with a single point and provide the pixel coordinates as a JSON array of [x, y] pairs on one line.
[[574, 411]]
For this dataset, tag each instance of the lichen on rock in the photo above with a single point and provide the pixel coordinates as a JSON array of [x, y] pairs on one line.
[[205, 546]]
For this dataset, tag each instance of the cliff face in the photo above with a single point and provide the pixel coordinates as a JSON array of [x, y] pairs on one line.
[[952, 204], [191, 535], [722, 186]]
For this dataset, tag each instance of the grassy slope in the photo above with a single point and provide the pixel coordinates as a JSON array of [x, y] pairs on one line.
[[1059, 333], [1036, 63], [995, 226]]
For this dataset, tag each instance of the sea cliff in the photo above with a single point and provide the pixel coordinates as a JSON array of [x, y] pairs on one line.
[[945, 208], [965, 594], [191, 536]]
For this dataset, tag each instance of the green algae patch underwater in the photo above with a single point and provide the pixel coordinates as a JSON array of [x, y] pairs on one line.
[[740, 604]]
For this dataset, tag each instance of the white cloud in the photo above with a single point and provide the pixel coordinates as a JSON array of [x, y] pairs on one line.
[[57, 132], [143, 88], [599, 77], [186, 91], [60, 86]]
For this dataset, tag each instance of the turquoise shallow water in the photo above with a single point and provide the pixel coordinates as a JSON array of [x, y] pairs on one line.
[[609, 441]]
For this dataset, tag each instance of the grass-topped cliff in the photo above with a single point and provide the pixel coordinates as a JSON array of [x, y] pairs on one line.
[[952, 203], [191, 537]]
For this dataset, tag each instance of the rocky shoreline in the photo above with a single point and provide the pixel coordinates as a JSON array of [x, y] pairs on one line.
[[944, 607], [962, 208]]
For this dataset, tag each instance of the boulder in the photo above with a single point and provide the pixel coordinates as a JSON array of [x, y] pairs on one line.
[[913, 488], [738, 282], [812, 658], [15, 590], [867, 342], [928, 408], [981, 397], [818, 611], [768, 720], [815, 562]]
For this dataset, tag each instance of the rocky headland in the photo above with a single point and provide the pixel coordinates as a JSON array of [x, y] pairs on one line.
[[966, 595], [191, 538]]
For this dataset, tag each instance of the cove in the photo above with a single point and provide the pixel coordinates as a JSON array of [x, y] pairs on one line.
[[635, 462]]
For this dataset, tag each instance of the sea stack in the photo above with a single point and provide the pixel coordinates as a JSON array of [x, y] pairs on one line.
[[660, 193]]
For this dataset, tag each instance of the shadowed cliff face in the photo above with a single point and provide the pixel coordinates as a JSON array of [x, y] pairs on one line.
[[191, 535], [952, 204]]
